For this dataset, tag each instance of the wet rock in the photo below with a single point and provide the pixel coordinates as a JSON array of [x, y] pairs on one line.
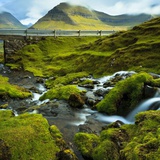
[[102, 91], [116, 124], [76, 101], [149, 91], [89, 86], [108, 84], [39, 80]]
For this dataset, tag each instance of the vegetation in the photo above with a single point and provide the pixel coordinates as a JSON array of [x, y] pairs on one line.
[[27, 136], [131, 141], [64, 80], [136, 49], [61, 92], [72, 17], [13, 91], [126, 94], [1, 51]]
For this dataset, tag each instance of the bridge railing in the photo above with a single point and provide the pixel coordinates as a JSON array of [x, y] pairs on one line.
[[37, 32]]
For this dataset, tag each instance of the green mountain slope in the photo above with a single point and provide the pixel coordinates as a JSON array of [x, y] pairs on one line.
[[66, 16], [7, 20]]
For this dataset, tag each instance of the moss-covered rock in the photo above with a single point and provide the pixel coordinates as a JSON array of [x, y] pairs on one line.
[[65, 80], [125, 95], [29, 136], [76, 101], [86, 143], [129, 141], [13, 91], [61, 92]]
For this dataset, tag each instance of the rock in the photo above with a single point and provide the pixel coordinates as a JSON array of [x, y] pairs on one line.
[[76, 101], [102, 91], [116, 124], [149, 91], [66, 154], [90, 86], [108, 84], [39, 80]]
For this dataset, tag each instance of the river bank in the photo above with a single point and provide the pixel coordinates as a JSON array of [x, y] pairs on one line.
[[58, 112]]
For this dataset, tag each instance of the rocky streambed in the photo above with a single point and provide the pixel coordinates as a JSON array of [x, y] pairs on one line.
[[58, 112]]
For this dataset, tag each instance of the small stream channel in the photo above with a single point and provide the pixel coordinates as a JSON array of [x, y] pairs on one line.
[[59, 113]]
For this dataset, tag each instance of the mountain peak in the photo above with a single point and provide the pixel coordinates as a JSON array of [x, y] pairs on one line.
[[7, 20], [77, 17]]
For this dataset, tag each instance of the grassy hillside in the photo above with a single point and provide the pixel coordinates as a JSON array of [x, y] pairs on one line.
[[73, 17], [136, 49]]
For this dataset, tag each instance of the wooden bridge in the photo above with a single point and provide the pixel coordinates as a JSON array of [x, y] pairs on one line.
[[55, 33]]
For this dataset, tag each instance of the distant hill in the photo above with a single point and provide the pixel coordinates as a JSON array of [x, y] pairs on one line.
[[66, 16], [7, 20]]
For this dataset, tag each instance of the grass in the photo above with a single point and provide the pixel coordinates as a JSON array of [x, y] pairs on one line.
[[136, 49]]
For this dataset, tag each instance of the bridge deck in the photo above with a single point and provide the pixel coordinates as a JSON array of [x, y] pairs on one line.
[[37, 32]]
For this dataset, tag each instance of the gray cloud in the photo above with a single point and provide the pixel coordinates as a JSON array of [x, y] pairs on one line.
[[29, 11]]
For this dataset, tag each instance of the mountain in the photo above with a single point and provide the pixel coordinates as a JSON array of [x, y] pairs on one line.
[[66, 16], [8, 21]]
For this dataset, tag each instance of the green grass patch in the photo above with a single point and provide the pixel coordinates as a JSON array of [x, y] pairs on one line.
[[13, 91]]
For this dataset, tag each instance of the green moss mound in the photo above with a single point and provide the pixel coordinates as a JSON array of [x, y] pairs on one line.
[[130, 141], [65, 80], [86, 143], [126, 94], [13, 91], [28, 136], [61, 92]]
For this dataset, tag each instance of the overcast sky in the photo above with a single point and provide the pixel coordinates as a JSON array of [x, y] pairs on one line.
[[29, 11]]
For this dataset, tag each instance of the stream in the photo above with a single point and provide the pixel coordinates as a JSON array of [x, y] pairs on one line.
[[58, 112]]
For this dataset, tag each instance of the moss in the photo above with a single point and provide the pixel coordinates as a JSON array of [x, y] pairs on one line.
[[13, 91], [67, 79], [61, 92], [28, 136], [125, 95], [130, 141], [145, 141], [86, 143], [107, 150]]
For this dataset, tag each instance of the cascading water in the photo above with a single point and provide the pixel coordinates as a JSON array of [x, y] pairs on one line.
[[146, 105]]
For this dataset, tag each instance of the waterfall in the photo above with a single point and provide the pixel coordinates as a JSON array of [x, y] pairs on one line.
[[109, 119], [146, 105]]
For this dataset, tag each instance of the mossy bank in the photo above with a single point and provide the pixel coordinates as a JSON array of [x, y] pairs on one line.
[[29, 136], [130, 141]]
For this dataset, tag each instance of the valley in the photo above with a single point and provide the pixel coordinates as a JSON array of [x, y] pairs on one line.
[[80, 98]]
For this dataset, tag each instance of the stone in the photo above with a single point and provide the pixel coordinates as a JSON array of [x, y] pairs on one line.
[[76, 101]]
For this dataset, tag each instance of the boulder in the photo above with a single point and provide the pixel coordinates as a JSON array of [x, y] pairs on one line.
[[76, 101]]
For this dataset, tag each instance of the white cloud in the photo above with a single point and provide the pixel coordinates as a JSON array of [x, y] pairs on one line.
[[29, 11]]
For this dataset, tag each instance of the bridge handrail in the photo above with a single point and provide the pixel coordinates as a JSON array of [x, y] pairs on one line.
[[37, 32]]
